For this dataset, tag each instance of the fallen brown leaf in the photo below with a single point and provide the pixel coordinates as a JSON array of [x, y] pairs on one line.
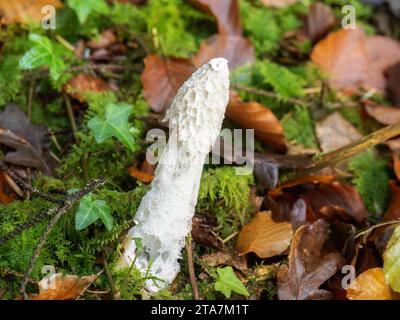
[[370, 285], [393, 210], [335, 132], [162, 78], [225, 12], [383, 114], [320, 20], [353, 60], [59, 287], [105, 39], [7, 194], [235, 48], [24, 11], [336, 200], [308, 268], [289, 208], [81, 84], [278, 3], [300, 181], [225, 259], [253, 115], [264, 236], [201, 230], [140, 175], [393, 83]]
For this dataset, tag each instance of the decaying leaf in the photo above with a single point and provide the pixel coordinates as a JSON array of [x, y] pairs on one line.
[[278, 3], [142, 176], [201, 230], [28, 140], [393, 83], [308, 267], [335, 132], [59, 287], [162, 78], [303, 180], [353, 60], [369, 285], [264, 236], [393, 210], [383, 114], [225, 259], [7, 194], [253, 115], [235, 48], [336, 200], [289, 208], [320, 20], [83, 83], [105, 39], [226, 13], [24, 11]]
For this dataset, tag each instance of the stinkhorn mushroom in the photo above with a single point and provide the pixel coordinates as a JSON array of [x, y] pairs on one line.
[[164, 217]]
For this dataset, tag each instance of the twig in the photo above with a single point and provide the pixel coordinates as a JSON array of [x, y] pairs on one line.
[[191, 268], [71, 116], [268, 94], [25, 186], [65, 43], [109, 276], [333, 157], [71, 200]]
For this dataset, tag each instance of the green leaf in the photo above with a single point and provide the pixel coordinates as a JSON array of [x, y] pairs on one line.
[[115, 125], [84, 8], [391, 261], [43, 53], [228, 282], [90, 210]]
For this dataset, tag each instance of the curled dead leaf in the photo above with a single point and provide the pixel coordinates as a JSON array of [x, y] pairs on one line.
[[382, 114], [264, 236], [320, 20], [24, 11], [300, 181], [308, 267], [59, 287], [370, 285], [225, 259], [162, 78], [81, 84], [254, 115]]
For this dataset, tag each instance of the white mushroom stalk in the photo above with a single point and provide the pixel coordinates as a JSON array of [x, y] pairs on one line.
[[164, 217]]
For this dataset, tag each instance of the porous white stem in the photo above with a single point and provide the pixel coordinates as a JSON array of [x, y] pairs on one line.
[[164, 217]]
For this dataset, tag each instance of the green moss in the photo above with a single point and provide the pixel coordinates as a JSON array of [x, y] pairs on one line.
[[299, 127], [371, 180]]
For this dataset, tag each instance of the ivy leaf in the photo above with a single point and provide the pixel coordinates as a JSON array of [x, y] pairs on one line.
[[43, 53], [115, 125], [84, 8], [391, 261], [90, 210], [228, 282]]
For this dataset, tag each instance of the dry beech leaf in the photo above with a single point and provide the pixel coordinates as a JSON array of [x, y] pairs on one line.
[[254, 115], [370, 285], [278, 3], [393, 83], [393, 210], [162, 78], [383, 114], [320, 20], [225, 259], [83, 83], [105, 39], [7, 194], [140, 175], [353, 60], [308, 268], [300, 181], [383, 52], [336, 200], [225, 12], [235, 48], [335, 132], [59, 287], [264, 236], [201, 230], [24, 11], [289, 208]]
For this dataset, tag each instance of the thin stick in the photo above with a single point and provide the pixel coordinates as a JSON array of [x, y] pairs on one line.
[[268, 94], [191, 269], [350, 150], [109, 276], [71, 200], [71, 117]]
